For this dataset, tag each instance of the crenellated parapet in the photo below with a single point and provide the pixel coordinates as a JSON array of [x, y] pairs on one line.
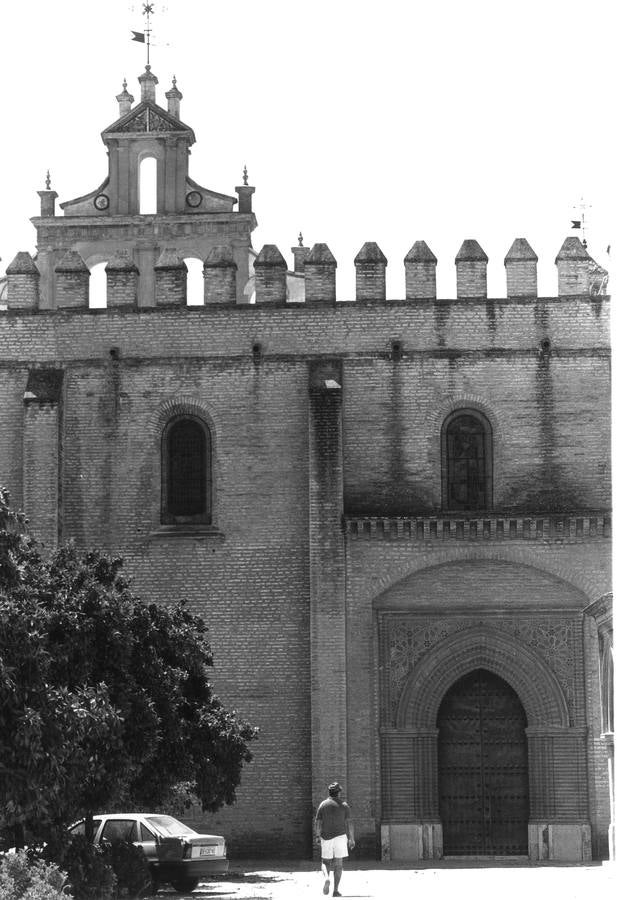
[[573, 266], [122, 280], [72, 281], [521, 270], [420, 277], [170, 277], [370, 266], [270, 275], [471, 262], [22, 282], [320, 276], [315, 269], [220, 270]]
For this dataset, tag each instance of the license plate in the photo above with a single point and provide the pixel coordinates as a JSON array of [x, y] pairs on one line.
[[207, 851]]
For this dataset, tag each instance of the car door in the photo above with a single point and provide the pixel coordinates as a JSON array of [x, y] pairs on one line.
[[147, 841]]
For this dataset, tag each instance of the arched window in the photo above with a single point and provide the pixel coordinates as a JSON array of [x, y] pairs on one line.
[[466, 451], [147, 186], [186, 472]]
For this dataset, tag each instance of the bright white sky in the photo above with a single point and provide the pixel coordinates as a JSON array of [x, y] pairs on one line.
[[358, 121]]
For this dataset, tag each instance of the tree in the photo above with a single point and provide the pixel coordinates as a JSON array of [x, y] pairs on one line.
[[105, 700]]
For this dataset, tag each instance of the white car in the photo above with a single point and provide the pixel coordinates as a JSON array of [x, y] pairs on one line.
[[175, 853]]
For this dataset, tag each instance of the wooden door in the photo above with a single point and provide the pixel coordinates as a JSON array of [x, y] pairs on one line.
[[483, 781]]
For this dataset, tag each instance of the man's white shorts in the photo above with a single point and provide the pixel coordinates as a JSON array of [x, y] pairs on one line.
[[335, 848]]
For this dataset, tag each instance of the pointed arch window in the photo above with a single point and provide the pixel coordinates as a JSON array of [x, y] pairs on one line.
[[466, 452], [186, 471]]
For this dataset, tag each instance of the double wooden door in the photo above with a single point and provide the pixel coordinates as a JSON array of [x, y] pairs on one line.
[[483, 780]]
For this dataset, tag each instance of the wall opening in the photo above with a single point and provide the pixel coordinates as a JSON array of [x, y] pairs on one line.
[[147, 186], [194, 282], [98, 286]]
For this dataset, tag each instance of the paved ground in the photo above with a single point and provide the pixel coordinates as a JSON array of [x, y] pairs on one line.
[[476, 881]]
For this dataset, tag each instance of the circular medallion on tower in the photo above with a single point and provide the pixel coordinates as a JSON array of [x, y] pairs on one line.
[[194, 198], [101, 201]]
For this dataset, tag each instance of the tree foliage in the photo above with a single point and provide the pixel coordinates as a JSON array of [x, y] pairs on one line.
[[22, 878], [104, 699]]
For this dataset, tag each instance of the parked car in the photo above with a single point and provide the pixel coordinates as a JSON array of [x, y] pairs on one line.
[[175, 853]]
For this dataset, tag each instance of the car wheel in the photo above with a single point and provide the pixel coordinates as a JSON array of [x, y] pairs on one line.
[[150, 887], [185, 885]]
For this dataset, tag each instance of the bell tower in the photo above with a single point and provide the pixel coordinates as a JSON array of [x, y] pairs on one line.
[[188, 222], [147, 131]]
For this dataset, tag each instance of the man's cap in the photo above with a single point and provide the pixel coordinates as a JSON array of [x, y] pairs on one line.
[[334, 788]]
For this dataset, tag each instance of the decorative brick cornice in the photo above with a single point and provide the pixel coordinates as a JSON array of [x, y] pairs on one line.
[[551, 528], [64, 231]]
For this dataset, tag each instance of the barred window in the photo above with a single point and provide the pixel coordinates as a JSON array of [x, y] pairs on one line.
[[186, 472], [466, 461]]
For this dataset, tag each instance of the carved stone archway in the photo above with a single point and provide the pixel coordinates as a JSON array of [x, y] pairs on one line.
[[487, 648], [558, 827]]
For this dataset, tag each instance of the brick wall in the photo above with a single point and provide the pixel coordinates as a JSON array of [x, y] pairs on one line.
[[250, 576]]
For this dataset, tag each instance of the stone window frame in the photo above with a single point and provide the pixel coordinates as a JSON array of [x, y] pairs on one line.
[[488, 459]]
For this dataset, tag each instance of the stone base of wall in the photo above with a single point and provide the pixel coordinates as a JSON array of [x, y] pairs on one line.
[[415, 841], [564, 842], [411, 842]]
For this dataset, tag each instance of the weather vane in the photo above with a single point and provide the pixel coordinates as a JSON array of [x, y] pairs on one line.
[[580, 223], [143, 37]]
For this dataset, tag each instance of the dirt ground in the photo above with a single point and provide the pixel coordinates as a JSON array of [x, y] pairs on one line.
[[262, 880]]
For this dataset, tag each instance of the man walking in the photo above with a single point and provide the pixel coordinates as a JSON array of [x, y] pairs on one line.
[[334, 829]]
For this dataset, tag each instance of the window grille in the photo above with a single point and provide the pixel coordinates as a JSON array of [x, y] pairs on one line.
[[466, 458]]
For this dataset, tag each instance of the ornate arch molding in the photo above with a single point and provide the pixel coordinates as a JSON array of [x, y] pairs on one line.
[[487, 648], [179, 406], [440, 412]]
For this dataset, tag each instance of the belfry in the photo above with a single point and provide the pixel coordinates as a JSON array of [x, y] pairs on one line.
[[187, 220]]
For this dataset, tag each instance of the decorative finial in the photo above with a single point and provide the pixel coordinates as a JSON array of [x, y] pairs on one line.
[[173, 81], [300, 240], [48, 181], [245, 176], [124, 84]]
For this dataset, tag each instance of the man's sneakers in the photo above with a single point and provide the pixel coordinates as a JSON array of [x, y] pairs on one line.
[[326, 886]]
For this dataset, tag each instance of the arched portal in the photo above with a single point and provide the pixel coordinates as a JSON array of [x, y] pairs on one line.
[[482, 768]]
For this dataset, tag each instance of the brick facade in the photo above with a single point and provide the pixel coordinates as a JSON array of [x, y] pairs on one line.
[[343, 596]]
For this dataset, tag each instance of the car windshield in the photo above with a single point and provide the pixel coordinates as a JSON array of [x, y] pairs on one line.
[[169, 826]]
